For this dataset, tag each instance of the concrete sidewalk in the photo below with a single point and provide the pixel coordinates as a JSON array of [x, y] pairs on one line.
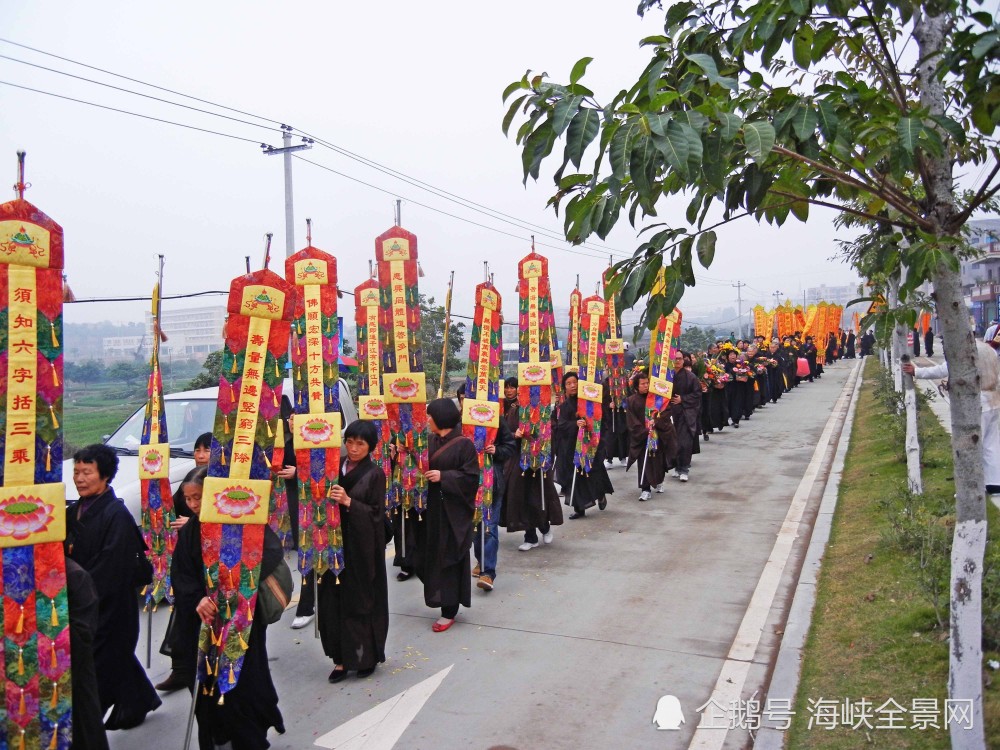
[[580, 639]]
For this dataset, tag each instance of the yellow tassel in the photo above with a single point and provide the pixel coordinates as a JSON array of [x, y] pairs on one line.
[[55, 376], [274, 398], [222, 698], [225, 423], [229, 611], [234, 365], [252, 585], [55, 339], [20, 661], [54, 661], [267, 462], [270, 433], [277, 372], [20, 743], [249, 615], [232, 678], [20, 710], [55, 422], [232, 585], [208, 578], [55, 615], [20, 621], [54, 743], [232, 393], [243, 644], [337, 579], [48, 458], [55, 695], [222, 456]]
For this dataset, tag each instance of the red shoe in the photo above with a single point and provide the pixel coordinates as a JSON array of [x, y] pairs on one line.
[[437, 627]]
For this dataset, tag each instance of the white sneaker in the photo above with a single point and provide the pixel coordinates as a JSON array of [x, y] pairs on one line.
[[527, 546], [644, 496], [659, 488], [301, 621], [684, 477], [547, 537], [675, 474], [609, 464]]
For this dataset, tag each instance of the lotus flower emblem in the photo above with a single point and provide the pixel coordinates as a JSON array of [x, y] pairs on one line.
[[237, 501], [22, 516]]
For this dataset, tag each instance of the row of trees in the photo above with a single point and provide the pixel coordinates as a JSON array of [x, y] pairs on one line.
[[767, 109], [132, 374]]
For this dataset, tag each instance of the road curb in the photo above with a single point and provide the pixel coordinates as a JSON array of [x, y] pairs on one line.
[[787, 671]]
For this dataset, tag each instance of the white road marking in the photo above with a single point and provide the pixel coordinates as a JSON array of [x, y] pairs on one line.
[[729, 686], [381, 727]]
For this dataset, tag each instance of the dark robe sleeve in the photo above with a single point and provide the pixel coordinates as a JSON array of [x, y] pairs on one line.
[[459, 482], [366, 532], [88, 727], [116, 556], [505, 444]]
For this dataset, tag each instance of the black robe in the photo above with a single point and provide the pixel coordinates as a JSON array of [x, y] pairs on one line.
[[354, 614], [251, 707], [775, 376], [444, 536], [522, 501], [88, 719], [106, 543], [852, 340], [735, 393], [588, 488], [614, 429], [686, 416], [717, 415], [652, 467]]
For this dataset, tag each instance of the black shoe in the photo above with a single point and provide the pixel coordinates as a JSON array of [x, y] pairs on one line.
[[362, 673], [337, 675], [172, 683], [403, 576], [578, 514], [602, 503], [736, 426]]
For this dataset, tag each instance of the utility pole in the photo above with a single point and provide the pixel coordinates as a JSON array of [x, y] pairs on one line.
[[739, 301], [286, 151], [777, 299]]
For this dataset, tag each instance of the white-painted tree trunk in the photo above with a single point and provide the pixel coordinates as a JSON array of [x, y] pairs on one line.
[[898, 345], [913, 478], [965, 679]]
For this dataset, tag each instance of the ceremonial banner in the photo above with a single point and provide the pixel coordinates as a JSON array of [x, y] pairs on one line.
[[573, 338], [768, 332], [535, 372], [316, 424], [278, 517], [856, 323], [403, 383], [819, 329], [154, 474], [371, 404], [36, 704], [614, 350], [555, 355], [760, 322], [786, 320], [236, 497], [590, 391], [481, 407], [661, 372]]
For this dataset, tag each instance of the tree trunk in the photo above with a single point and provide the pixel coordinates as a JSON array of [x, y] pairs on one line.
[[897, 342], [965, 682], [914, 480]]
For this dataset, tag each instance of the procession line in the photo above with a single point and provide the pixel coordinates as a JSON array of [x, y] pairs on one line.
[[729, 686]]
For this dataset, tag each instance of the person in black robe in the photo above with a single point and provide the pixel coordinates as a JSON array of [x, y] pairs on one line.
[[651, 465], [735, 390], [916, 342], [614, 430], [831, 348], [587, 489], [444, 536], [775, 372], [810, 353], [849, 347], [791, 352], [685, 405], [354, 613], [251, 708], [102, 538], [84, 617], [928, 342], [522, 508], [867, 344]]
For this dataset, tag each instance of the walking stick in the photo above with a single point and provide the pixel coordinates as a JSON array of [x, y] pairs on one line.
[[572, 485], [194, 701], [541, 484], [149, 635], [315, 604]]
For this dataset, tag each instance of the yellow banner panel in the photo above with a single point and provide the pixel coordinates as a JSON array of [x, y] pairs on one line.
[[480, 412], [316, 430], [229, 500], [154, 461], [32, 514]]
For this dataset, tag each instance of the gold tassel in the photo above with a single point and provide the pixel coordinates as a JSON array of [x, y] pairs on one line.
[[52, 412], [225, 423], [55, 615], [337, 579], [20, 661], [222, 698], [243, 644], [20, 710], [55, 695], [270, 433], [222, 456], [233, 369], [277, 372], [232, 585], [55, 376], [249, 615], [54, 661], [55, 339], [232, 678], [274, 398], [19, 628], [232, 393], [208, 578], [229, 611], [20, 743], [54, 743], [252, 585], [48, 458]]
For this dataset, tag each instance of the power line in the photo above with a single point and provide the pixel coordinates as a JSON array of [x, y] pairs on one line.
[[133, 114]]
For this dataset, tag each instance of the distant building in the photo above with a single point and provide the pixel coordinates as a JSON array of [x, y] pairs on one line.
[[838, 295], [981, 272], [192, 333], [115, 348]]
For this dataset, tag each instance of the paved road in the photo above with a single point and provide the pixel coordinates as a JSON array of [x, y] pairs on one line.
[[580, 639]]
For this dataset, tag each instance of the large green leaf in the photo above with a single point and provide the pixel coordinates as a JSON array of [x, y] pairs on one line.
[[512, 113], [564, 111], [802, 47], [621, 147], [730, 125], [706, 248], [805, 120], [908, 129], [711, 70], [582, 131], [828, 120], [674, 146], [579, 69], [642, 166], [759, 139]]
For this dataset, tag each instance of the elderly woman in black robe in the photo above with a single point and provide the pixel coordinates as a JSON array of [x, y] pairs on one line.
[[587, 489], [444, 536], [250, 708], [354, 614], [102, 538], [685, 410], [735, 390], [652, 466]]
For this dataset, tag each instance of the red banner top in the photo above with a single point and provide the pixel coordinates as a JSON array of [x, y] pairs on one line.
[[532, 266], [28, 237], [311, 266], [396, 244]]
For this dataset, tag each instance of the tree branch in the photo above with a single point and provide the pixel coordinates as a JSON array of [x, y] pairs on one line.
[[845, 209], [984, 193], [895, 82]]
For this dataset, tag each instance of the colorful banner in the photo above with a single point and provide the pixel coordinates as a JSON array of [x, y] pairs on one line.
[[614, 350], [856, 323], [786, 319], [371, 404], [590, 391], [154, 474], [316, 425], [403, 384], [236, 497], [535, 371], [573, 337], [819, 329], [663, 348], [481, 408], [36, 705], [760, 322]]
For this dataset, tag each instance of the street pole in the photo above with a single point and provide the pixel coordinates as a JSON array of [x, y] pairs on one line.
[[739, 301], [286, 151]]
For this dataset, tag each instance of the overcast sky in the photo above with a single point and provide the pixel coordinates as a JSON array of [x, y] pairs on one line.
[[414, 86]]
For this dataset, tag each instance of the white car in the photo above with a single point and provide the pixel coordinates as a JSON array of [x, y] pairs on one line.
[[189, 414]]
